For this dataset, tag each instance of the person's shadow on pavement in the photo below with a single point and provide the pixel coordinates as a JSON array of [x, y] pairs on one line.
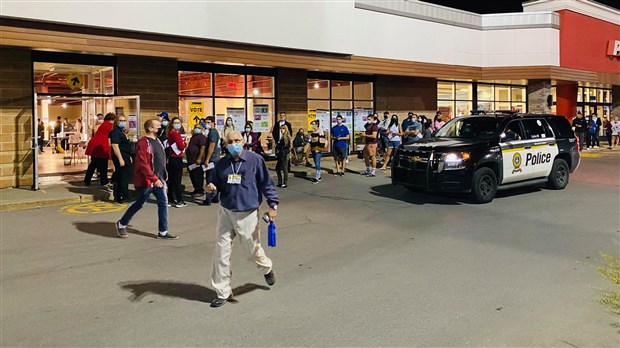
[[107, 229], [187, 291]]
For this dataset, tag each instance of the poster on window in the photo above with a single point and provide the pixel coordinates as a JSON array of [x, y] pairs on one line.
[[323, 116], [360, 117], [220, 120], [261, 118], [238, 117]]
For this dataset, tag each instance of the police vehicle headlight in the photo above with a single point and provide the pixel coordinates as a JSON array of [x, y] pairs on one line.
[[453, 161]]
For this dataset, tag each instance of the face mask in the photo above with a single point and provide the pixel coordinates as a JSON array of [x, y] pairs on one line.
[[207, 126], [165, 123], [229, 123], [234, 149], [160, 119], [122, 124], [100, 121], [177, 126], [248, 130], [197, 130]]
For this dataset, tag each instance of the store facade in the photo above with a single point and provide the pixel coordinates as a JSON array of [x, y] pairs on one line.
[[520, 62]]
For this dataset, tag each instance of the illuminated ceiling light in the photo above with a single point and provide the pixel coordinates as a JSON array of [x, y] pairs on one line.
[[64, 105], [255, 91], [316, 85]]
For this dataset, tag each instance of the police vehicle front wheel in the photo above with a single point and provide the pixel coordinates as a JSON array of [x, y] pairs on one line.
[[484, 185], [558, 178]]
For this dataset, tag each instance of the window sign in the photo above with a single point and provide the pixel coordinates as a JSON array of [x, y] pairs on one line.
[[261, 118], [238, 117]]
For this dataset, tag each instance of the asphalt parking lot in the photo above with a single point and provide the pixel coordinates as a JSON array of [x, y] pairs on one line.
[[359, 262]]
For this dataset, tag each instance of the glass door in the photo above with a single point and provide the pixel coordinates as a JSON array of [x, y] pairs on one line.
[[128, 106]]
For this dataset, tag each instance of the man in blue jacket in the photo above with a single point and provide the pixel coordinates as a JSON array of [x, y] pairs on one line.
[[242, 179]]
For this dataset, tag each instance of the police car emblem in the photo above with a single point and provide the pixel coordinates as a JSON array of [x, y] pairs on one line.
[[516, 163]]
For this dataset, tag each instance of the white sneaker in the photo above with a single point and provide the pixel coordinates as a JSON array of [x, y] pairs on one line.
[[596, 147]]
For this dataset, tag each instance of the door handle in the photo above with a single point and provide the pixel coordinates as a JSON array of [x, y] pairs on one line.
[[528, 147]]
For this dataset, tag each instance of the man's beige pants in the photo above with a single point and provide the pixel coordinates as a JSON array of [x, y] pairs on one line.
[[229, 225]]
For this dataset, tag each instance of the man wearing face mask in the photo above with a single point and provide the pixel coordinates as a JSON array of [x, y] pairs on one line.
[[341, 135], [149, 178], [275, 132], [213, 155], [164, 120], [242, 178], [121, 157], [195, 154]]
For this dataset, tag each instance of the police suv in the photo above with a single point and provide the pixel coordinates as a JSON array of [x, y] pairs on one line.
[[481, 154]]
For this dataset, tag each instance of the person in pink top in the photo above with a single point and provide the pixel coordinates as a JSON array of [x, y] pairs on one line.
[[176, 146], [438, 122]]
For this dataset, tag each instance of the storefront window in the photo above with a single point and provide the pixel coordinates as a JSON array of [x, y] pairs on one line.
[[464, 91], [518, 94], [446, 102], [445, 90], [229, 85], [353, 100], [243, 98], [57, 78], [260, 86], [485, 92], [195, 83]]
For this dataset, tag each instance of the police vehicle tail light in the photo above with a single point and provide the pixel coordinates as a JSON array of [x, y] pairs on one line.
[[453, 161]]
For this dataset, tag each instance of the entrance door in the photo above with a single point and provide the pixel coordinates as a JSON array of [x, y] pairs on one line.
[[128, 106]]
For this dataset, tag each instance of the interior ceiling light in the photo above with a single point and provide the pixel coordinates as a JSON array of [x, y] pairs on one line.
[[255, 91], [64, 105], [316, 85]]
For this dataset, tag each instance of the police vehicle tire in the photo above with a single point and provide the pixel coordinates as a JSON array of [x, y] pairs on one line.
[[558, 178], [484, 185]]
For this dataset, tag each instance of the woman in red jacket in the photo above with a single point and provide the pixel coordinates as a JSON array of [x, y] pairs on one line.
[[98, 149], [175, 164]]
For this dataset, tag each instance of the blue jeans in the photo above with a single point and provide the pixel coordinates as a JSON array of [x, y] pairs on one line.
[[143, 195], [316, 156]]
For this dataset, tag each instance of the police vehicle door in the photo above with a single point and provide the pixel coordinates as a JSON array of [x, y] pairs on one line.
[[515, 148], [544, 147]]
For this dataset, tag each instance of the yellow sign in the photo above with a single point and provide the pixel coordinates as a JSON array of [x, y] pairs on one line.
[[75, 81], [196, 112], [92, 208], [311, 117]]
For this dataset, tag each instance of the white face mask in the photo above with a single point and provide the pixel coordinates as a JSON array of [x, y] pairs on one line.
[[99, 121], [248, 130], [208, 126], [229, 123]]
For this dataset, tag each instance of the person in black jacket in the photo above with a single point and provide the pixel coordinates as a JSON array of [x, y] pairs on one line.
[[275, 131], [580, 127], [283, 149]]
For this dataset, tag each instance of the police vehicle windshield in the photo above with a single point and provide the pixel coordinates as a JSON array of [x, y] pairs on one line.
[[469, 127]]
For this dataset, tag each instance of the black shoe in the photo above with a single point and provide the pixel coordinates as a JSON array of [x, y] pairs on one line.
[[215, 200], [279, 185], [206, 202], [197, 194], [219, 302], [121, 230], [166, 236], [341, 173], [180, 204], [270, 278]]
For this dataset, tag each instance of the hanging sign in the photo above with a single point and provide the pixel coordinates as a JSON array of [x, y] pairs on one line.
[[196, 112], [75, 81]]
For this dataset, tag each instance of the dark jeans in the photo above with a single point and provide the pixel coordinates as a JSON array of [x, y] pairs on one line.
[[588, 139], [594, 139], [197, 176], [143, 195], [582, 139], [282, 168], [608, 135], [175, 175], [210, 178], [121, 179], [101, 164]]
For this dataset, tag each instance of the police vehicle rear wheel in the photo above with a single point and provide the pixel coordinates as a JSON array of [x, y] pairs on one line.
[[558, 178], [484, 185]]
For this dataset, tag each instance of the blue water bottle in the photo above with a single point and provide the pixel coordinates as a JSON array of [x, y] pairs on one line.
[[271, 234]]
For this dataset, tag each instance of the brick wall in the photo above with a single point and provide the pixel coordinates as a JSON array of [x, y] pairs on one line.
[[154, 80], [16, 98], [615, 98], [399, 95], [537, 93], [292, 96]]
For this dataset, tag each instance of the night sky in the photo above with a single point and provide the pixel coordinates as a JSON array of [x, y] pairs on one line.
[[498, 6]]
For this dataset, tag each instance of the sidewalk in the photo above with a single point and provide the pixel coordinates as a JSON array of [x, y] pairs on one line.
[[75, 192]]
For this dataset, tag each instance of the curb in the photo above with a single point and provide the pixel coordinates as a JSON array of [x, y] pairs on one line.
[[46, 203]]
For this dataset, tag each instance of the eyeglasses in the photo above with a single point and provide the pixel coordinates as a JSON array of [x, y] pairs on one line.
[[234, 141]]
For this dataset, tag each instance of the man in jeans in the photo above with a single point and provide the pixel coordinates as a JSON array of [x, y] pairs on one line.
[[370, 147], [149, 177], [580, 127]]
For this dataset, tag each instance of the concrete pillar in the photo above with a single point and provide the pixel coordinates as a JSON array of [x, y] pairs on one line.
[[16, 100], [538, 92], [566, 99], [399, 95], [291, 87]]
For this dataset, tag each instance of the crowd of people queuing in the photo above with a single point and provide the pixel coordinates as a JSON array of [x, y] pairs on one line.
[[587, 129]]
